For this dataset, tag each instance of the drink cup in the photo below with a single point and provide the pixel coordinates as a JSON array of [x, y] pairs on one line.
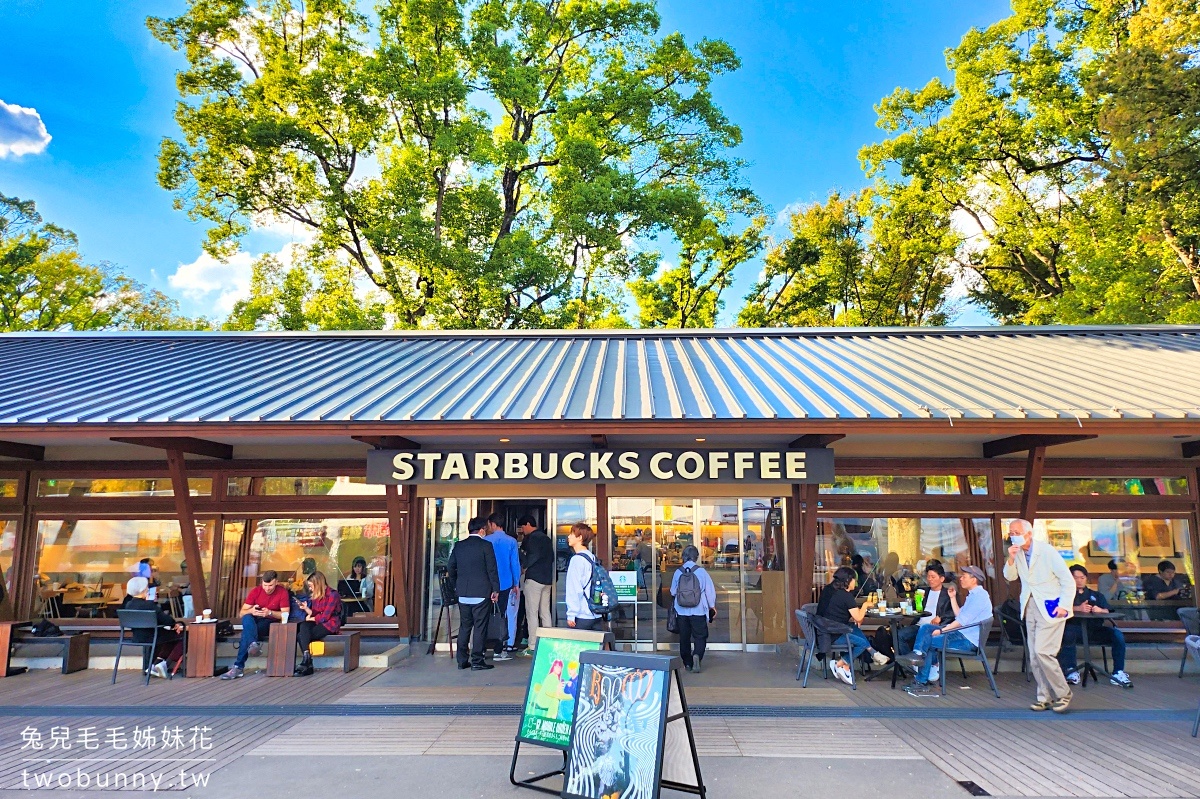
[[207, 614], [883, 606], [199, 619], [283, 616]]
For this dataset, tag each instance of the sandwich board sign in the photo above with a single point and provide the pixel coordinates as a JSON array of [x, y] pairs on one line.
[[631, 734], [550, 695]]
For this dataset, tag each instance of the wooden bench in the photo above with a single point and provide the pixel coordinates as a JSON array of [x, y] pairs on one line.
[[281, 649], [76, 647]]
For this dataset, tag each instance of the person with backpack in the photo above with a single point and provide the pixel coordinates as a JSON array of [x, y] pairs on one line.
[[580, 591], [695, 606]]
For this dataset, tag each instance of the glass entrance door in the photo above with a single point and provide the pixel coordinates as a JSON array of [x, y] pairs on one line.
[[741, 547]]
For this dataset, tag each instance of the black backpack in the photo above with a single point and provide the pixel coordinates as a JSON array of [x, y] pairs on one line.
[[689, 592]]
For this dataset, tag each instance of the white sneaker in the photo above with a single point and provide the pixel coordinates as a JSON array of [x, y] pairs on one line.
[[159, 669], [842, 673], [1121, 678], [934, 674], [879, 659], [501, 657], [1074, 679], [255, 650]]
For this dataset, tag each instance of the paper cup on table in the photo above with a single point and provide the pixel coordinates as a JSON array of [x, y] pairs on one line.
[[283, 616], [207, 614], [199, 619]]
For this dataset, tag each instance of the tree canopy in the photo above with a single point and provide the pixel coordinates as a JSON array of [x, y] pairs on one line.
[[481, 163], [45, 285]]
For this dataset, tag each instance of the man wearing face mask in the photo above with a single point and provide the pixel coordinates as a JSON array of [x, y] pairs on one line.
[[1047, 593]]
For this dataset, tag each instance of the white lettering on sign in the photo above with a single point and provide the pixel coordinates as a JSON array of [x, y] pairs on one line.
[[402, 468], [794, 466], [568, 469], [599, 466], [516, 466], [690, 465]]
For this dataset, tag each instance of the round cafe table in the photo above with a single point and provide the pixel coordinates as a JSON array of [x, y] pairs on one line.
[[1087, 667], [894, 621]]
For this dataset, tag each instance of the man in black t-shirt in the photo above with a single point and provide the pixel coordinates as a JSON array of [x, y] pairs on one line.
[[837, 604], [1091, 601]]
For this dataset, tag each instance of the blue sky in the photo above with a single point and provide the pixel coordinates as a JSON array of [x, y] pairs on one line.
[[104, 91]]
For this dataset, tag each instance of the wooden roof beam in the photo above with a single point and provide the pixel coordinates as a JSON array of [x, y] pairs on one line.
[[388, 442], [1024, 443], [1191, 449], [27, 452], [809, 440], [192, 446]]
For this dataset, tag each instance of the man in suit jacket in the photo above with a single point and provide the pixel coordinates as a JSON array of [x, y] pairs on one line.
[[472, 571], [1045, 578]]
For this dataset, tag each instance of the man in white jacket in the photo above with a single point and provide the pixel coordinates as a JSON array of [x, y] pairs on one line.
[[1047, 594]]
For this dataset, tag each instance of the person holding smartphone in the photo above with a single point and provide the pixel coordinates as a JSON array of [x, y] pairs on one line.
[[263, 607], [1047, 594]]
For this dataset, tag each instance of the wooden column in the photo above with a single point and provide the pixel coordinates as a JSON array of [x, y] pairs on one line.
[[187, 524], [800, 536], [416, 561], [215, 570], [603, 533], [25, 554], [1033, 482], [398, 546]]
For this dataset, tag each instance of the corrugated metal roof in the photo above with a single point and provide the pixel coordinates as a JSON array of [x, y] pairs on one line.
[[956, 373]]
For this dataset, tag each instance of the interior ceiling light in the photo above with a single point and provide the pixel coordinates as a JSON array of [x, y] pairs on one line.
[[700, 439], [504, 441]]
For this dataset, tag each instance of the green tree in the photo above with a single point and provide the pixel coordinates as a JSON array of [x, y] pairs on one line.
[[689, 294], [307, 295], [45, 285], [484, 163]]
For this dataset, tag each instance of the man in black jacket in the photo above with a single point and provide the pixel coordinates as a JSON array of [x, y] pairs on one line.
[[935, 599], [538, 554], [472, 571]]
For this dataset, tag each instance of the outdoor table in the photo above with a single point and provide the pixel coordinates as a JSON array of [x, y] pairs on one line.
[[281, 649], [1087, 667], [894, 621], [200, 648]]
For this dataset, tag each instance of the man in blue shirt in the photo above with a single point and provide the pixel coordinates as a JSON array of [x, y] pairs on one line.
[[508, 564], [931, 637]]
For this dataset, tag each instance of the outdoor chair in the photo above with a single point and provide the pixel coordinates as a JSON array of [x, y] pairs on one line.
[[1191, 623], [809, 645], [1192, 644], [137, 620], [834, 639], [1006, 622], [978, 653]]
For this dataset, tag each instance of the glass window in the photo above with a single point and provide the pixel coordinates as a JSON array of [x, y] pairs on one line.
[[8, 541], [1100, 486], [763, 571], [563, 514], [903, 484], [76, 488], [8, 488], [327, 545], [341, 485], [1123, 556], [93, 558], [895, 551]]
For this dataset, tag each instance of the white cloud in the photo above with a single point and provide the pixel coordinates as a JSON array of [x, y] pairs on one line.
[[213, 286], [22, 131]]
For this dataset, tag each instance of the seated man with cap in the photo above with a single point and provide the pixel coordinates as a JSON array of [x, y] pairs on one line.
[[975, 608]]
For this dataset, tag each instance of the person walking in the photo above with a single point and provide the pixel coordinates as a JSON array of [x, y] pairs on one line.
[[579, 577], [1047, 594], [472, 572], [695, 606], [508, 566], [539, 578]]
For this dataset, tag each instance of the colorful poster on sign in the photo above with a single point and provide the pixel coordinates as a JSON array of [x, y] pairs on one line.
[[620, 715], [553, 684]]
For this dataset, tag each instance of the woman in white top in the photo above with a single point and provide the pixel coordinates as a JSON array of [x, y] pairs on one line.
[[693, 618], [579, 575]]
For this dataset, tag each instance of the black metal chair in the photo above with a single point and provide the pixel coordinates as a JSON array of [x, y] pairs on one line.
[[137, 620], [1006, 621], [1191, 623], [833, 639], [978, 653], [809, 631], [1192, 644]]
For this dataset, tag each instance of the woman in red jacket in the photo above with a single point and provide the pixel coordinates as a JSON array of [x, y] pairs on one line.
[[322, 617]]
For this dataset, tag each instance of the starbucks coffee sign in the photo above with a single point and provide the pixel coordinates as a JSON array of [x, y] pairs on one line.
[[601, 466]]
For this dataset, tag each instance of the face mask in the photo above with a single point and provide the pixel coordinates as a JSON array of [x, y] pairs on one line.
[[1018, 540]]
